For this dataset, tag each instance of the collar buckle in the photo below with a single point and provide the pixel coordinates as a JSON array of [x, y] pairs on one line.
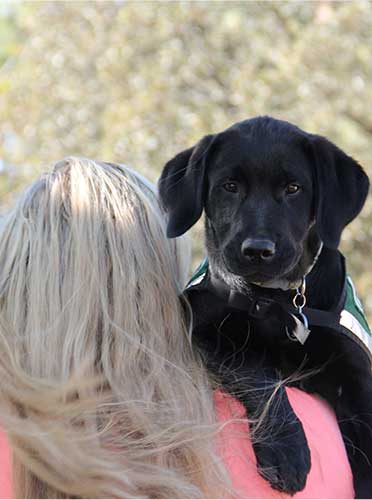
[[255, 307]]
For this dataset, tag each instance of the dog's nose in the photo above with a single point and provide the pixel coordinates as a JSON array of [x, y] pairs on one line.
[[258, 250]]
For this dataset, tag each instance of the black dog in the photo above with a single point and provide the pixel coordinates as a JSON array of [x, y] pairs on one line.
[[276, 200]]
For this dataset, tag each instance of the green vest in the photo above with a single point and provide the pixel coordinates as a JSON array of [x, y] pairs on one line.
[[353, 317]]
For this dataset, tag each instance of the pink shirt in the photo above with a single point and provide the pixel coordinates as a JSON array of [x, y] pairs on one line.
[[330, 474], [5, 468]]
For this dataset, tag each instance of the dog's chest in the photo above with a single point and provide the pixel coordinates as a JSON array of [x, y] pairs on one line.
[[266, 340]]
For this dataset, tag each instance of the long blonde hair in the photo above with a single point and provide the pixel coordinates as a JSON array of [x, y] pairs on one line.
[[100, 392]]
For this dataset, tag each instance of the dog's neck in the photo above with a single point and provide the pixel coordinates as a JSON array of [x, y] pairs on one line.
[[326, 281]]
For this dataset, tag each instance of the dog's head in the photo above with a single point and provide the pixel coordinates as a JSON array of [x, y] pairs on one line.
[[271, 193]]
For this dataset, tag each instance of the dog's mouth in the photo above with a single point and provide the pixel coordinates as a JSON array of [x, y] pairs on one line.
[[265, 274], [254, 274], [259, 278]]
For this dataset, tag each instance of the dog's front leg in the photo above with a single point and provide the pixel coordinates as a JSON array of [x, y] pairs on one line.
[[354, 414], [345, 381], [278, 438]]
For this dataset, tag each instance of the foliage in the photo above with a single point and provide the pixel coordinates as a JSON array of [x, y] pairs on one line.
[[137, 82]]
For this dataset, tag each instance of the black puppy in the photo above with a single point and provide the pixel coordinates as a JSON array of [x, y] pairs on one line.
[[276, 200]]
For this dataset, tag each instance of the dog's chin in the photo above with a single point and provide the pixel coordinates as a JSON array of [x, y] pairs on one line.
[[271, 280]]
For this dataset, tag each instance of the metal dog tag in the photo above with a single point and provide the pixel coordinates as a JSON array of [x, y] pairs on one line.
[[301, 331]]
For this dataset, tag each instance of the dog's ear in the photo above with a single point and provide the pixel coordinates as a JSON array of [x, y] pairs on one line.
[[341, 188], [182, 186]]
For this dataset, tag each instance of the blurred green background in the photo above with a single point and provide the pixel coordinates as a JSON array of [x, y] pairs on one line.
[[135, 82]]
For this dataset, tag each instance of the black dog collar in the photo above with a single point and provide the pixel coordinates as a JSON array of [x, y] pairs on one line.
[[347, 317]]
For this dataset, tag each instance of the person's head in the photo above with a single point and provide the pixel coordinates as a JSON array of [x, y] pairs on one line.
[[100, 391]]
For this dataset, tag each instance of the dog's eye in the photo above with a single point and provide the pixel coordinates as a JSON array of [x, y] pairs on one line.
[[231, 187], [292, 188]]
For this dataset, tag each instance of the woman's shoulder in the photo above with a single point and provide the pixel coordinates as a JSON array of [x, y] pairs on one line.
[[330, 475]]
